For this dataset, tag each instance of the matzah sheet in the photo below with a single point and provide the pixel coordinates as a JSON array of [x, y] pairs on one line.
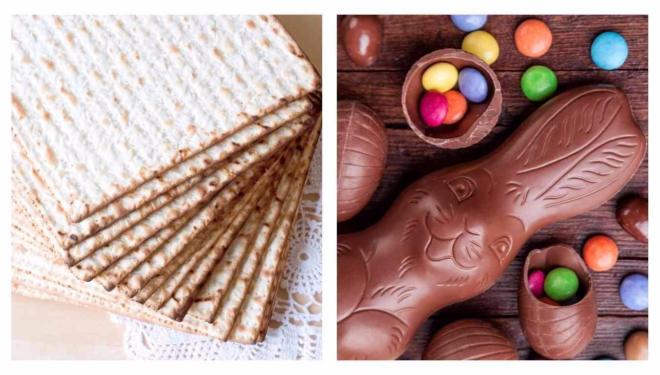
[[103, 103]]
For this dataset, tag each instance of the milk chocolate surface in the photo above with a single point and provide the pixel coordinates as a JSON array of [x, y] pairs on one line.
[[451, 234], [470, 339], [562, 331], [362, 37], [361, 155], [632, 214]]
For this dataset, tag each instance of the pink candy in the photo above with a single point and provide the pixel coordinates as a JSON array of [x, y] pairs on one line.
[[433, 108], [535, 281]]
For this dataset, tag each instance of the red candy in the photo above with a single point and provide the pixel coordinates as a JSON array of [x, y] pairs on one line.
[[433, 108], [600, 253], [535, 281], [457, 106]]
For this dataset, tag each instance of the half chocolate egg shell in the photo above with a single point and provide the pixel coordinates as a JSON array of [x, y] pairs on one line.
[[557, 332], [470, 339]]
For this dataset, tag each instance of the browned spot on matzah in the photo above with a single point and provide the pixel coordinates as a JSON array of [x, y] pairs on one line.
[[263, 18], [58, 21], [178, 105], [66, 116], [276, 30], [120, 24], [217, 53], [18, 106], [266, 42], [191, 128], [203, 38], [50, 157], [174, 49], [97, 75], [49, 64], [123, 58], [141, 81], [124, 117], [72, 98], [98, 24], [70, 38], [250, 24]]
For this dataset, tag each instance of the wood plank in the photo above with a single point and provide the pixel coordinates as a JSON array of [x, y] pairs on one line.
[[381, 91], [407, 38], [608, 339]]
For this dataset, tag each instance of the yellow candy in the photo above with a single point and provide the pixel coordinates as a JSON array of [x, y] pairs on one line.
[[440, 77], [483, 45]]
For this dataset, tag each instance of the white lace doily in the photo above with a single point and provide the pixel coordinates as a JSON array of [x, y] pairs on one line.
[[295, 327]]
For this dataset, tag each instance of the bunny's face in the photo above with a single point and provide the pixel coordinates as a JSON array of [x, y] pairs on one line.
[[465, 225]]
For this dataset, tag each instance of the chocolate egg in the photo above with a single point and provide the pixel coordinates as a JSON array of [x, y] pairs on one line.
[[557, 332], [632, 214], [361, 155], [470, 339], [362, 37], [637, 346]]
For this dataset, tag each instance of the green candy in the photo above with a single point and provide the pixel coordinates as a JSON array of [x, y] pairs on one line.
[[538, 83], [561, 284]]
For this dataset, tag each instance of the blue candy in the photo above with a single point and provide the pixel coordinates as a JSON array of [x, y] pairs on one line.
[[473, 85], [634, 291], [470, 22], [609, 50]]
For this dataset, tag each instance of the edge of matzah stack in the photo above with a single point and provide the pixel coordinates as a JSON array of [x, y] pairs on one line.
[[159, 163]]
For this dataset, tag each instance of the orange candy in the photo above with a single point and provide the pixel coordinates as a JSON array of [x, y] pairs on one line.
[[533, 38], [456, 107], [600, 252]]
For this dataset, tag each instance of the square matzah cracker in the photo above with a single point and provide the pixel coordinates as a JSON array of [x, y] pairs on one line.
[[105, 103]]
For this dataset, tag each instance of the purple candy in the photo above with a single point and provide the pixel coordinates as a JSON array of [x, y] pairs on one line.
[[473, 85], [634, 291], [433, 108], [535, 281]]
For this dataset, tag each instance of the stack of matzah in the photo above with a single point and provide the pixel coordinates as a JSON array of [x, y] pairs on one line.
[[158, 163]]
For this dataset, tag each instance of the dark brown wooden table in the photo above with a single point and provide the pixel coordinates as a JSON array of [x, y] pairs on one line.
[[406, 39]]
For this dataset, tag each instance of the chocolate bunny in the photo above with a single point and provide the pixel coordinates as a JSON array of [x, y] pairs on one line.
[[451, 234]]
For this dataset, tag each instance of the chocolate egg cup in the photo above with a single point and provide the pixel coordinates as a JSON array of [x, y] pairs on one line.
[[557, 332], [479, 119]]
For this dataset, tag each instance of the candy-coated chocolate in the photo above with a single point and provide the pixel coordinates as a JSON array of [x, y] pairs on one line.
[[483, 45], [634, 291], [600, 253], [456, 107], [536, 279], [433, 108], [538, 83], [632, 214], [637, 346], [609, 50], [561, 284], [469, 22], [473, 85], [533, 38], [440, 77], [362, 37]]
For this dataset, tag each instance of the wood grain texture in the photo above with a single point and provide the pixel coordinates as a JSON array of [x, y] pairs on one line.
[[409, 158], [406, 39]]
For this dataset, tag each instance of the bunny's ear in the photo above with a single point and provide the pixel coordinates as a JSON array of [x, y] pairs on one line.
[[584, 142]]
